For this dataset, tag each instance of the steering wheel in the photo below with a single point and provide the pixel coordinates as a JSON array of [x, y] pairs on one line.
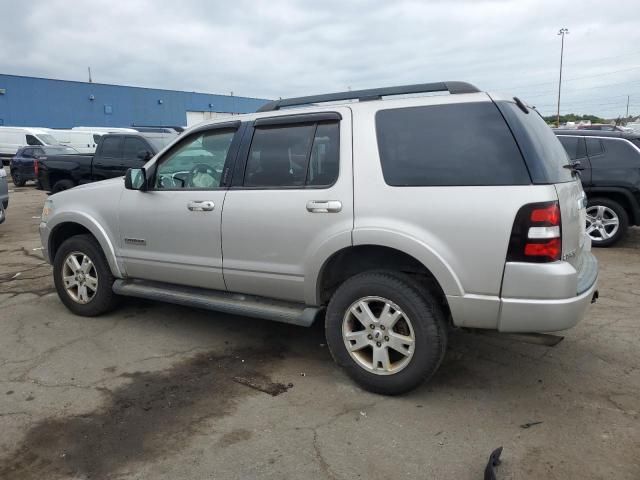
[[203, 175]]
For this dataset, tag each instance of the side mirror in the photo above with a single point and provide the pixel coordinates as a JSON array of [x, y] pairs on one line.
[[144, 155], [135, 179]]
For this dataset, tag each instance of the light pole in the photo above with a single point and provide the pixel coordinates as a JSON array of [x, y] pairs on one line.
[[562, 33]]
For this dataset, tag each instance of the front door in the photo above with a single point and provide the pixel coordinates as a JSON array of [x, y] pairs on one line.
[[292, 199], [171, 232]]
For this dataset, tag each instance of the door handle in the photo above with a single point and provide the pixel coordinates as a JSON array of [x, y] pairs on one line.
[[200, 206], [324, 206]]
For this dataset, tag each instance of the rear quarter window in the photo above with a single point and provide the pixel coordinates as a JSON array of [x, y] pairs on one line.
[[446, 145]]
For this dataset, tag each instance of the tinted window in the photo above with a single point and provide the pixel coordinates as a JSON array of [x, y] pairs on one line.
[[619, 154], [195, 163], [455, 144], [110, 147], [27, 152], [96, 138], [594, 146], [543, 152], [279, 156], [323, 164], [31, 140], [132, 146], [574, 146]]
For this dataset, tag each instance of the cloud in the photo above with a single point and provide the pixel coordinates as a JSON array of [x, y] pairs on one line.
[[282, 48]]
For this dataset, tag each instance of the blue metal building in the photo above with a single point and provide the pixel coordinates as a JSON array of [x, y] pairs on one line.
[[43, 102]]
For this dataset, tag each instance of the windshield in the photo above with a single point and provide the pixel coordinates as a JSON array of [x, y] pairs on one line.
[[47, 139], [60, 150]]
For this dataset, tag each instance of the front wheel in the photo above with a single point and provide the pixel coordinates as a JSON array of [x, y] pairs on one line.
[[607, 222], [83, 278], [386, 331], [62, 185]]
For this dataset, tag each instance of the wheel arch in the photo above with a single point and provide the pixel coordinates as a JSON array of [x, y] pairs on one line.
[[620, 195], [350, 261], [80, 224]]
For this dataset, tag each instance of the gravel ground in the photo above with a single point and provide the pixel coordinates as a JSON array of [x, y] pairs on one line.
[[165, 392]]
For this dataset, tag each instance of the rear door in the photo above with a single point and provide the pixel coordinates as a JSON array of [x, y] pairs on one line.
[[577, 151], [292, 195]]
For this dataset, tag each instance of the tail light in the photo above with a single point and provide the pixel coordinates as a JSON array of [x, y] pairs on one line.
[[537, 234], [36, 167]]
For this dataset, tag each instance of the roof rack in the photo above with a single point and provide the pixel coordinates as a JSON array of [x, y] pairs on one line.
[[372, 94]]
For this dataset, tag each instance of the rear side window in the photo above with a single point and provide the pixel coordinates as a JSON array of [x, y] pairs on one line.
[[31, 140], [111, 147], [454, 144], [620, 154], [293, 156], [594, 147], [542, 151], [574, 146], [132, 147]]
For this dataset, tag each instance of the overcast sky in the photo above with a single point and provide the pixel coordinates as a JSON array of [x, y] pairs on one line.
[[280, 48]]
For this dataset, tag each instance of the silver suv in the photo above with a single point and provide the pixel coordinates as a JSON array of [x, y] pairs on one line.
[[391, 214]]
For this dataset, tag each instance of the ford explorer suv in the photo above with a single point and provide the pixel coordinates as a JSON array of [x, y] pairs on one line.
[[610, 163], [390, 214]]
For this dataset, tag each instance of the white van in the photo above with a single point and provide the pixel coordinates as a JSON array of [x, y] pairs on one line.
[[12, 138], [83, 141], [105, 129]]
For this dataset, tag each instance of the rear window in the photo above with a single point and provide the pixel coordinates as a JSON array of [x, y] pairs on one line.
[[542, 150], [111, 147], [594, 147], [453, 144]]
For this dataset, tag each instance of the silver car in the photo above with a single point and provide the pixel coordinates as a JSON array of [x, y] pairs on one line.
[[392, 218], [4, 194]]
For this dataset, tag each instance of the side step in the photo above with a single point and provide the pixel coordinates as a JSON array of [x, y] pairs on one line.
[[234, 303]]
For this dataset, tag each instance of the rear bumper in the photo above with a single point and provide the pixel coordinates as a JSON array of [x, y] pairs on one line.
[[553, 304]]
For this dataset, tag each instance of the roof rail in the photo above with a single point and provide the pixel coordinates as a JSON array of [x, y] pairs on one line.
[[371, 94]]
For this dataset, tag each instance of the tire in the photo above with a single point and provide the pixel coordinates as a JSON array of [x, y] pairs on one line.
[[419, 311], [605, 235], [62, 185], [18, 181], [103, 298]]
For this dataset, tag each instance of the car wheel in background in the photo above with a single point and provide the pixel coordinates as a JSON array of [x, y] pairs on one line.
[[607, 222], [62, 185], [18, 181], [386, 331], [83, 278]]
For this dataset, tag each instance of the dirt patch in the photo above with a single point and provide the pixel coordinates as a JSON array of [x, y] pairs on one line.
[[151, 416]]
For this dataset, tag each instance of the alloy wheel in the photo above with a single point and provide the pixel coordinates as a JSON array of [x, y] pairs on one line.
[[80, 277], [378, 335], [602, 223]]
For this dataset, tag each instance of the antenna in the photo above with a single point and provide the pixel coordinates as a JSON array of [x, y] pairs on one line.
[[89, 68]]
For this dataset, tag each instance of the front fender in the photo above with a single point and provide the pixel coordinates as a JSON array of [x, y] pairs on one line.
[[90, 224]]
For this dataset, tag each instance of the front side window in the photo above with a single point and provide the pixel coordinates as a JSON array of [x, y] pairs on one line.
[[31, 140], [293, 156], [195, 163]]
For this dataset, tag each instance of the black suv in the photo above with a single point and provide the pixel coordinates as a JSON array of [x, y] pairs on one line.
[[611, 178]]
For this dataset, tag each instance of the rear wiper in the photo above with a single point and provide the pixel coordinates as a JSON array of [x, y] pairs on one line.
[[575, 167]]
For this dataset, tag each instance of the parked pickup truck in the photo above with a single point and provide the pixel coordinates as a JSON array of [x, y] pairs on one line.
[[115, 153]]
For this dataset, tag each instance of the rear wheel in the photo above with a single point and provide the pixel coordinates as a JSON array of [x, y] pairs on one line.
[[83, 278], [607, 222], [62, 185], [17, 179], [387, 332]]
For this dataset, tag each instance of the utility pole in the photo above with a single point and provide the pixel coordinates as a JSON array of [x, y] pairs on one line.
[[562, 33], [627, 115], [89, 68]]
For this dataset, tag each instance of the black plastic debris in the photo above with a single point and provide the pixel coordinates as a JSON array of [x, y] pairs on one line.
[[530, 424], [494, 461]]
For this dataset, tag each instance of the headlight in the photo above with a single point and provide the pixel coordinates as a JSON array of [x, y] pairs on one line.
[[46, 210]]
